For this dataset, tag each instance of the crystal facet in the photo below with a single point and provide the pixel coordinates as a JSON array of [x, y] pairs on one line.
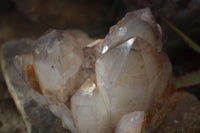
[[57, 59], [138, 23], [89, 110]]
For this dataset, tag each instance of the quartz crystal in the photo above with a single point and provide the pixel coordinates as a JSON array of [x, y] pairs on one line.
[[57, 59], [131, 123], [108, 85], [16, 60], [136, 76], [88, 109], [140, 24]]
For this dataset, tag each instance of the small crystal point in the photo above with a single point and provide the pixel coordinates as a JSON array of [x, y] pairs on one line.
[[61, 111], [88, 87], [88, 109], [131, 123]]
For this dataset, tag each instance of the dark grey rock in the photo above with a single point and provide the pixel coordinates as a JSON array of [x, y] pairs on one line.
[[185, 118], [10, 119]]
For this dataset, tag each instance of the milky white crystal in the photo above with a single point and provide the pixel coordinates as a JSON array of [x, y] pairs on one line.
[[88, 109], [131, 123], [57, 59]]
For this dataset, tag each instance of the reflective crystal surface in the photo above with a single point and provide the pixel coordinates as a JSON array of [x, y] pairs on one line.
[[138, 23]]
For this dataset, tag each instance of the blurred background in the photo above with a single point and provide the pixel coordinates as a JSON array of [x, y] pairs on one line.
[[31, 18]]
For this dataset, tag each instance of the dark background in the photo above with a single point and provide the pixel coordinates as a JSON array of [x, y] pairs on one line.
[[31, 18]]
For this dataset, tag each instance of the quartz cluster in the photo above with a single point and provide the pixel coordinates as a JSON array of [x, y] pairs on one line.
[[120, 84]]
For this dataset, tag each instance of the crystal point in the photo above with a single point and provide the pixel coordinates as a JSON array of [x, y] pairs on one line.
[[138, 23], [89, 110], [131, 123], [57, 59]]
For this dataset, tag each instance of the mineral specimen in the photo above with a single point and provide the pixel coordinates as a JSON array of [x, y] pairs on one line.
[[118, 84]]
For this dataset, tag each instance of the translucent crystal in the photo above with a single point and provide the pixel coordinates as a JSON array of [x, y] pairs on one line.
[[108, 68], [23, 63], [61, 111], [24, 66], [131, 82], [138, 23], [131, 123], [88, 109], [16, 61], [57, 59]]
